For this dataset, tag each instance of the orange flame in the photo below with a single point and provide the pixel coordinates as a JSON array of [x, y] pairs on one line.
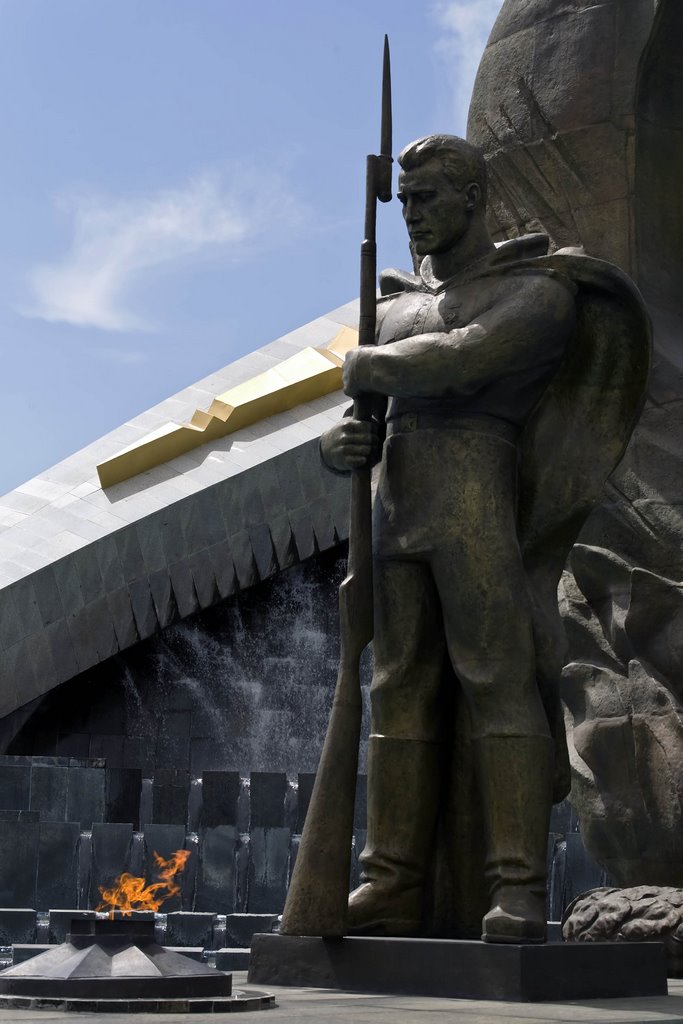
[[129, 893]]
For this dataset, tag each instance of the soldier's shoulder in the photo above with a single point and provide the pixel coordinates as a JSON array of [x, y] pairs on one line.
[[534, 282], [393, 282]]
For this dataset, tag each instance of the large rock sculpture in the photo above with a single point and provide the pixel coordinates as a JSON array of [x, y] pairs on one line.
[[638, 914], [579, 108]]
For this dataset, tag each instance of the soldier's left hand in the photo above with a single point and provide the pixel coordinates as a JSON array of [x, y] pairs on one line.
[[356, 372]]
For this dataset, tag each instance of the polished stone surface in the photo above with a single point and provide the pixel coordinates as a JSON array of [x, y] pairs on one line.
[[471, 970]]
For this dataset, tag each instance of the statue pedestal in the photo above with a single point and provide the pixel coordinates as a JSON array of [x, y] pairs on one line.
[[461, 970]]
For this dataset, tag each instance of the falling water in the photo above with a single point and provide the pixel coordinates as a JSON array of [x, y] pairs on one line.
[[242, 875], [84, 868], [137, 855], [194, 805], [146, 802]]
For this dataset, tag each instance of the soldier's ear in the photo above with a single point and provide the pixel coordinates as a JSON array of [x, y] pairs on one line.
[[473, 194]]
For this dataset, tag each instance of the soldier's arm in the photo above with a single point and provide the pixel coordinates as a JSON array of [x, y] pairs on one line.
[[528, 325], [352, 443]]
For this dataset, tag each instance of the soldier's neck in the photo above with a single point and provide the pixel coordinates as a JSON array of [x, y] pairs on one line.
[[471, 248]]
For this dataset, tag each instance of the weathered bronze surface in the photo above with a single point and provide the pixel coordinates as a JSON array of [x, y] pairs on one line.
[[506, 384]]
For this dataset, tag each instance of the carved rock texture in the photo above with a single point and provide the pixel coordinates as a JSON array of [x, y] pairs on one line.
[[639, 914], [579, 109]]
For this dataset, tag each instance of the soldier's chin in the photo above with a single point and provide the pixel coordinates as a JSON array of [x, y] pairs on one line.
[[421, 246]]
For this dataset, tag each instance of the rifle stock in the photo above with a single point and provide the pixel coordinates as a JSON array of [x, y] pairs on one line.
[[317, 901], [319, 889]]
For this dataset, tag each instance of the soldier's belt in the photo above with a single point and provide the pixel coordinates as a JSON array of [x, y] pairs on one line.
[[409, 422]]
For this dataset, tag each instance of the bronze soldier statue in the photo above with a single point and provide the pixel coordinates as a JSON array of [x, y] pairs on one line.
[[505, 385]]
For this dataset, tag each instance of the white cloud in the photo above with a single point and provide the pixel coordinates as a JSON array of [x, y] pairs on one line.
[[464, 27], [117, 240]]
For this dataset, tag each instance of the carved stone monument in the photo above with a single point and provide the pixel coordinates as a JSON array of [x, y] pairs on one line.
[[583, 133]]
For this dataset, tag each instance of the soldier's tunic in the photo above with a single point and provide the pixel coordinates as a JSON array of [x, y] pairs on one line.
[[448, 571]]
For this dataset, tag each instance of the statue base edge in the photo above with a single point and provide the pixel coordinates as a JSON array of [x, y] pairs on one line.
[[555, 971]]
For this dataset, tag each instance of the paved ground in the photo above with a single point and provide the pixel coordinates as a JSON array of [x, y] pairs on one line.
[[321, 1006]]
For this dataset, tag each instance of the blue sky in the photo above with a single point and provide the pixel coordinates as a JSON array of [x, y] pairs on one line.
[[183, 182]]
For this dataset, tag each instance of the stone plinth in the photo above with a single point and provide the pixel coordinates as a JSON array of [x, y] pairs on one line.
[[459, 969]]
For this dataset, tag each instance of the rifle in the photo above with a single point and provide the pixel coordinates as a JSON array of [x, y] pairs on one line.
[[317, 901]]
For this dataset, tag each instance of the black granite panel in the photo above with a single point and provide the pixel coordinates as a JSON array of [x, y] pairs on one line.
[[18, 863], [302, 528], [60, 922], [47, 596], [143, 607], [223, 568], [15, 786], [205, 584], [263, 551], [6, 815], [323, 525], [184, 592], [289, 480], [151, 544], [49, 787], [268, 870], [283, 540], [220, 792], [171, 792], [86, 796], [111, 854], [215, 890], [267, 796], [239, 928], [243, 559], [57, 882], [130, 554], [18, 925], [162, 595], [109, 562], [123, 795], [208, 508], [187, 928]]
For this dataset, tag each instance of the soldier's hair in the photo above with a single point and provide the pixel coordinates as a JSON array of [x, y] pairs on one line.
[[461, 162]]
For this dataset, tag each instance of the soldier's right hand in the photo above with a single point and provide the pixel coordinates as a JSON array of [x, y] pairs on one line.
[[350, 444]]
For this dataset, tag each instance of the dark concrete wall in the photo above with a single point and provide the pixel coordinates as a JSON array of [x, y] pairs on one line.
[[245, 686]]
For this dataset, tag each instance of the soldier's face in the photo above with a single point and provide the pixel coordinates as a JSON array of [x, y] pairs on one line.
[[437, 213]]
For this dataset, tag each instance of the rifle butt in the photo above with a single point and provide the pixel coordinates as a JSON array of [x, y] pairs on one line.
[[317, 900]]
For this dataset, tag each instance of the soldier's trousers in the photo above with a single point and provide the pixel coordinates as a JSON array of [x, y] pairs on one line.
[[449, 580]]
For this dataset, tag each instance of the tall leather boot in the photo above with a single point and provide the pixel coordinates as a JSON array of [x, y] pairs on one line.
[[515, 780], [402, 806]]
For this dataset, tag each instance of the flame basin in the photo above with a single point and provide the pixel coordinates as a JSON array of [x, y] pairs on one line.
[[118, 961]]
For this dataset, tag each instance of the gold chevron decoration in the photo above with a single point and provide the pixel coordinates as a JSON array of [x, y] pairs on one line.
[[311, 373]]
